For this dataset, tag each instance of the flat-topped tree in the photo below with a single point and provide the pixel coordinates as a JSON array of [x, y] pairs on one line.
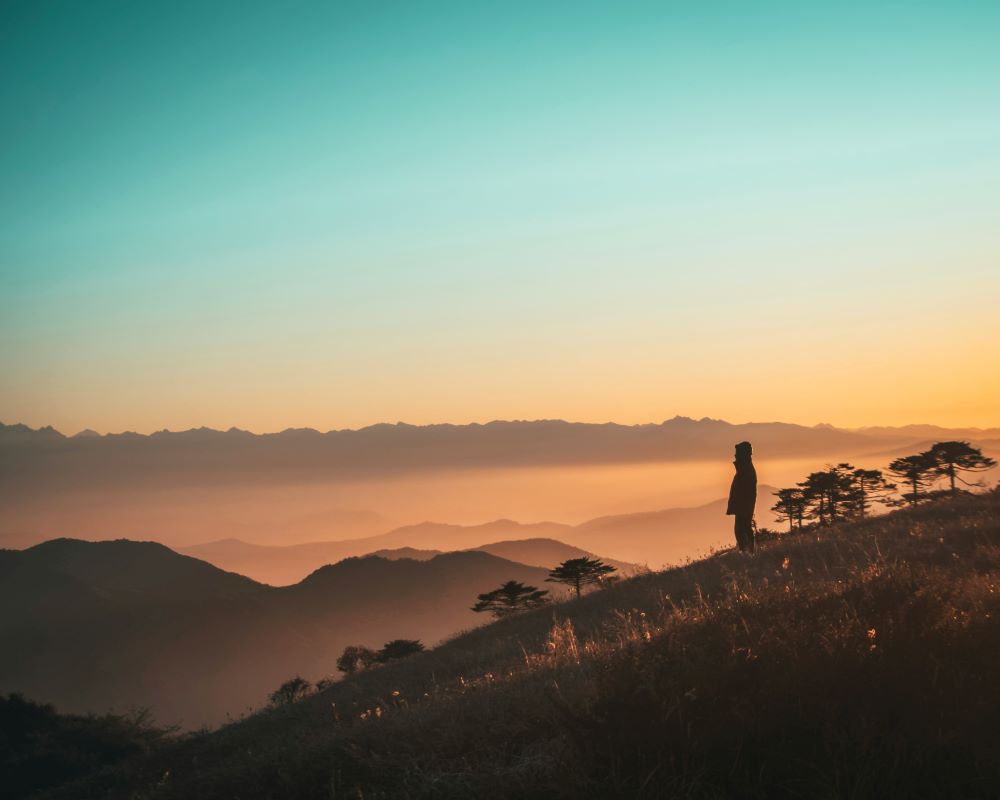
[[399, 648], [868, 486], [580, 572], [951, 458], [790, 507], [918, 471], [511, 598], [827, 493]]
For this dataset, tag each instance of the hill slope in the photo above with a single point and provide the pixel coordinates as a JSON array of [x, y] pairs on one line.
[[859, 660], [92, 626], [280, 565]]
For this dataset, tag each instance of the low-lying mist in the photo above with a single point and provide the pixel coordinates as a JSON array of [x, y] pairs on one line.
[[332, 510]]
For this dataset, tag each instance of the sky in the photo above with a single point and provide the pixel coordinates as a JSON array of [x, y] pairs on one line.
[[332, 214]]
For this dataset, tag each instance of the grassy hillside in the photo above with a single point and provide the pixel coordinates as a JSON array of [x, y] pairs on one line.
[[858, 661]]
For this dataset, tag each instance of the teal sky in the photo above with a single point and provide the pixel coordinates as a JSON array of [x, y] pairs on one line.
[[332, 214]]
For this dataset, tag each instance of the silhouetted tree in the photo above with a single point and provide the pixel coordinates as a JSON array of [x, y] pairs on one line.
[[917, 470], [951, 458], [291, 690], [868, 486], [356, 657], [399, 648], [580, 572], [791, 507], [828, 492], [510, 598]]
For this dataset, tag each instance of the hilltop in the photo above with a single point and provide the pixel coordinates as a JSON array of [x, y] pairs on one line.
[[856, 660]]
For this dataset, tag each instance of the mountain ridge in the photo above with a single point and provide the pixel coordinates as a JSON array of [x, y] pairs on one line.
[[121, 624]]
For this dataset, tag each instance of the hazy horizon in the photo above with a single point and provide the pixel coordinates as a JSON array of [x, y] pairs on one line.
[[71, 432]]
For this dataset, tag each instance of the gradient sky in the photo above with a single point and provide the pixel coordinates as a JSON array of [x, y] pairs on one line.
[[332, 214]]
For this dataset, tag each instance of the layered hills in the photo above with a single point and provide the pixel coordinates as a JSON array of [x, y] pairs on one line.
[[124, 624]]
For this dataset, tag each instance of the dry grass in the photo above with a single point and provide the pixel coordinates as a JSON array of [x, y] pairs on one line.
[[856, 661]]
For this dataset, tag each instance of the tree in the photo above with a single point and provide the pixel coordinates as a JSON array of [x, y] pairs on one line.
[[790, 507], [918, 472], [580, 572], [356, 657], [868, 486], [399, 648], [290, 691], [511, 598], [951, 458], [828, 492]]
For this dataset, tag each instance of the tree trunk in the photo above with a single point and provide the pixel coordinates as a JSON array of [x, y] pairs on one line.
[[951, 474]]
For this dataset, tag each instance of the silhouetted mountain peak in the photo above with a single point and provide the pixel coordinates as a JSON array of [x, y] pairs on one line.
[[134, 566]]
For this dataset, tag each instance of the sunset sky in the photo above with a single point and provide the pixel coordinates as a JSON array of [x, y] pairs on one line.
[[334, 214]]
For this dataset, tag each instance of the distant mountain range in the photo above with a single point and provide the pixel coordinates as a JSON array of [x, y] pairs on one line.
[[95, 625], [281, 565], [653, 539], [205, 455]]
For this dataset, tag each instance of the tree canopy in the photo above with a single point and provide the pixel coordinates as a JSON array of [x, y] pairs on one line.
[[356, 657], [399, 648], [291, 690], [580, 572], [950, 458], [917, 471], [510, 598]]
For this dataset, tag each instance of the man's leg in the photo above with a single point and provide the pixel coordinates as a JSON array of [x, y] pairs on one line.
[[744, 533]]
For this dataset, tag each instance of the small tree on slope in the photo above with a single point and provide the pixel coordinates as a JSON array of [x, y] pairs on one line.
[[356, 657], [951, 458], [580, 572], [511, 598], [291, 690], [399, 648], [791, 507], [918, 473]]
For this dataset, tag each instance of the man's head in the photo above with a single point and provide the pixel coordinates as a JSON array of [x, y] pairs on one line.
[[744, 450]]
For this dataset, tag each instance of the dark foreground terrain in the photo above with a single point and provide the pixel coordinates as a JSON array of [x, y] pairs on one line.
[[856, 661]]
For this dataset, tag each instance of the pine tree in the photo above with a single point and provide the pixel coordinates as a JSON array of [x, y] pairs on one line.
[[790, 507], [356, 657], [580, 572], [827, 493], [951, 458], [511, 598], [290, 691], [917, 470], [867, 487], [399, 648]]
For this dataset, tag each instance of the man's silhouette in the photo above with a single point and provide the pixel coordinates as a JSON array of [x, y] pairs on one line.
[[743, 497]]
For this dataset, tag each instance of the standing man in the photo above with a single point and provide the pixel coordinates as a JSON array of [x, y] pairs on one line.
[[743, 497]]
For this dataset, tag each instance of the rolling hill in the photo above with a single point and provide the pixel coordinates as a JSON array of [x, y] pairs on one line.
[[282, 565], [653, 538], [122, 624]]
